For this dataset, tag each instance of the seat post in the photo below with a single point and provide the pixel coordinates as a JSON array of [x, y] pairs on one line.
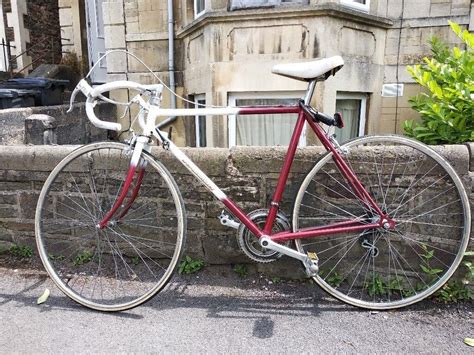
[[309, 92]]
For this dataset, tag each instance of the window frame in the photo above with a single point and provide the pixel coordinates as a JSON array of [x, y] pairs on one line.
[[276, 3], [232, 98], [198, 133], [363, 107], [356, 6], [196, 13]]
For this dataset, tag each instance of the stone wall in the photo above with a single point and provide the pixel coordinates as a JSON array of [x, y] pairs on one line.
[[24, 126], [247, 175], [42, 22], [32, 26]]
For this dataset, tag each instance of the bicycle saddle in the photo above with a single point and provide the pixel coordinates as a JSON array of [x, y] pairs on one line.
[[319, 69]]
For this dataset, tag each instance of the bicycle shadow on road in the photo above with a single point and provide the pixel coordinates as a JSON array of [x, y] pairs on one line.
[[261, 303]]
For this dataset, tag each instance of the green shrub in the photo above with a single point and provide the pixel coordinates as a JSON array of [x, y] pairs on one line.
[[447, 105]]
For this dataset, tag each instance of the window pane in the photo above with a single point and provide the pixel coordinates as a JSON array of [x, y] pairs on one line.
[[200, 6], [350, 109], [360, 5], [201, 126], [264, 130], [242, 4]]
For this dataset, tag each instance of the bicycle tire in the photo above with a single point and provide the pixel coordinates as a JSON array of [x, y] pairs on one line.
[[126, 263], [385, 269]]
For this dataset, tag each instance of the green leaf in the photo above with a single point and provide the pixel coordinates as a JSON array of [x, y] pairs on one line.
[[447, 106], [425, 269], [44, 297], [457, 52], [456, 28]]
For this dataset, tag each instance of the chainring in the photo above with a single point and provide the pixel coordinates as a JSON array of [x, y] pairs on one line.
[[250, 245]]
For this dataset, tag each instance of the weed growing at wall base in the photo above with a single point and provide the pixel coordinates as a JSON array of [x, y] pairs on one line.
[[21, 251], [190, 266]]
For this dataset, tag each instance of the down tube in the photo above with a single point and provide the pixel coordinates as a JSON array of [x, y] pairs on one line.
[[211, 186]]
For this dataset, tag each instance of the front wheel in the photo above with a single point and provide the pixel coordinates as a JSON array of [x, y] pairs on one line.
[[125, 263], [385, 268]]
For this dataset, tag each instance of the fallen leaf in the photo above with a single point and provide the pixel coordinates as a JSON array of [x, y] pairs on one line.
[[469, 341], [44, 297]]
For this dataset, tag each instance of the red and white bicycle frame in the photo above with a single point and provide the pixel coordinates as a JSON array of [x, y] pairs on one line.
[[147, 120]]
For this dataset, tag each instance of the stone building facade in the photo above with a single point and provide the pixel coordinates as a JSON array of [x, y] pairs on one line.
[[224, 51], [31, 35]]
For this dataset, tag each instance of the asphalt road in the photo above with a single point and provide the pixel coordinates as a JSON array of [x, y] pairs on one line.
[[217, 312]]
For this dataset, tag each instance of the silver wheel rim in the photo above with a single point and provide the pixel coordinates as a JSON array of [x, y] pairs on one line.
[[124, 238], [463, 239]]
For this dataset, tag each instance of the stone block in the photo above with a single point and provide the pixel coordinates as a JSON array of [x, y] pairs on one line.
[[65, 16], [151, 5], [64, 3], [117, 62], [211, 160], [394, 9], [27, 202], [130, 5], [113, 13], [8, 198], [40, 129], [133, 27], [457, 156], [440, 9], [152, 21], [5, 245], [131, 14], [416, 9], [114, 36], [8, 212]]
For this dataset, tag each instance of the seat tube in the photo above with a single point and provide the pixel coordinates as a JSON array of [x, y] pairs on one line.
[[275, 204]]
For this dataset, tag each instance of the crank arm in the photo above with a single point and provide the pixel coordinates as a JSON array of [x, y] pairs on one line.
[[310, 263]]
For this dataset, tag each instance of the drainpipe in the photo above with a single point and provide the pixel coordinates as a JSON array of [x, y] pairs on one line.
[[170, 63], [171, 51]]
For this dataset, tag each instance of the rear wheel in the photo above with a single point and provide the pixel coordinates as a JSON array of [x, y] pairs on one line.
[[384, 269], [124, 264]]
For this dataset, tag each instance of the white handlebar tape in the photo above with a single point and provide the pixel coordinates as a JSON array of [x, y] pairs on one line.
[[98, 122]]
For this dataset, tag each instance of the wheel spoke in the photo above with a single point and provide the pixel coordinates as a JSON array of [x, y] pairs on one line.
[[385, 268], [128, 261]]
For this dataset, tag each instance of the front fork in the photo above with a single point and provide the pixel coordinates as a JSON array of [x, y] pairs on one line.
[[141, 143]]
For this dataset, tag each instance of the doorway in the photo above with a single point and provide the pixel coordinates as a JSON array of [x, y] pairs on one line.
[[96, 40]]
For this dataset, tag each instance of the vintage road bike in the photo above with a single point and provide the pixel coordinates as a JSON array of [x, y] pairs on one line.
[[380, 222]]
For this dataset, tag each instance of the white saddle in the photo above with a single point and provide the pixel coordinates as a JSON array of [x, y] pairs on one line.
[[319, 69]]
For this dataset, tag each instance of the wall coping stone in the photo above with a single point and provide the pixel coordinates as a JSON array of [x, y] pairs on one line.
[[214, 161]]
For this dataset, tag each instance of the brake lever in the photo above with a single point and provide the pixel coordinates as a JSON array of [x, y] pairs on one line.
[[82, 86]]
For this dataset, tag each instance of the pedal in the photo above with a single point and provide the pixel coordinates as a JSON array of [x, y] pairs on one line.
[[311, 264], [226, 220], [312, 255]]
